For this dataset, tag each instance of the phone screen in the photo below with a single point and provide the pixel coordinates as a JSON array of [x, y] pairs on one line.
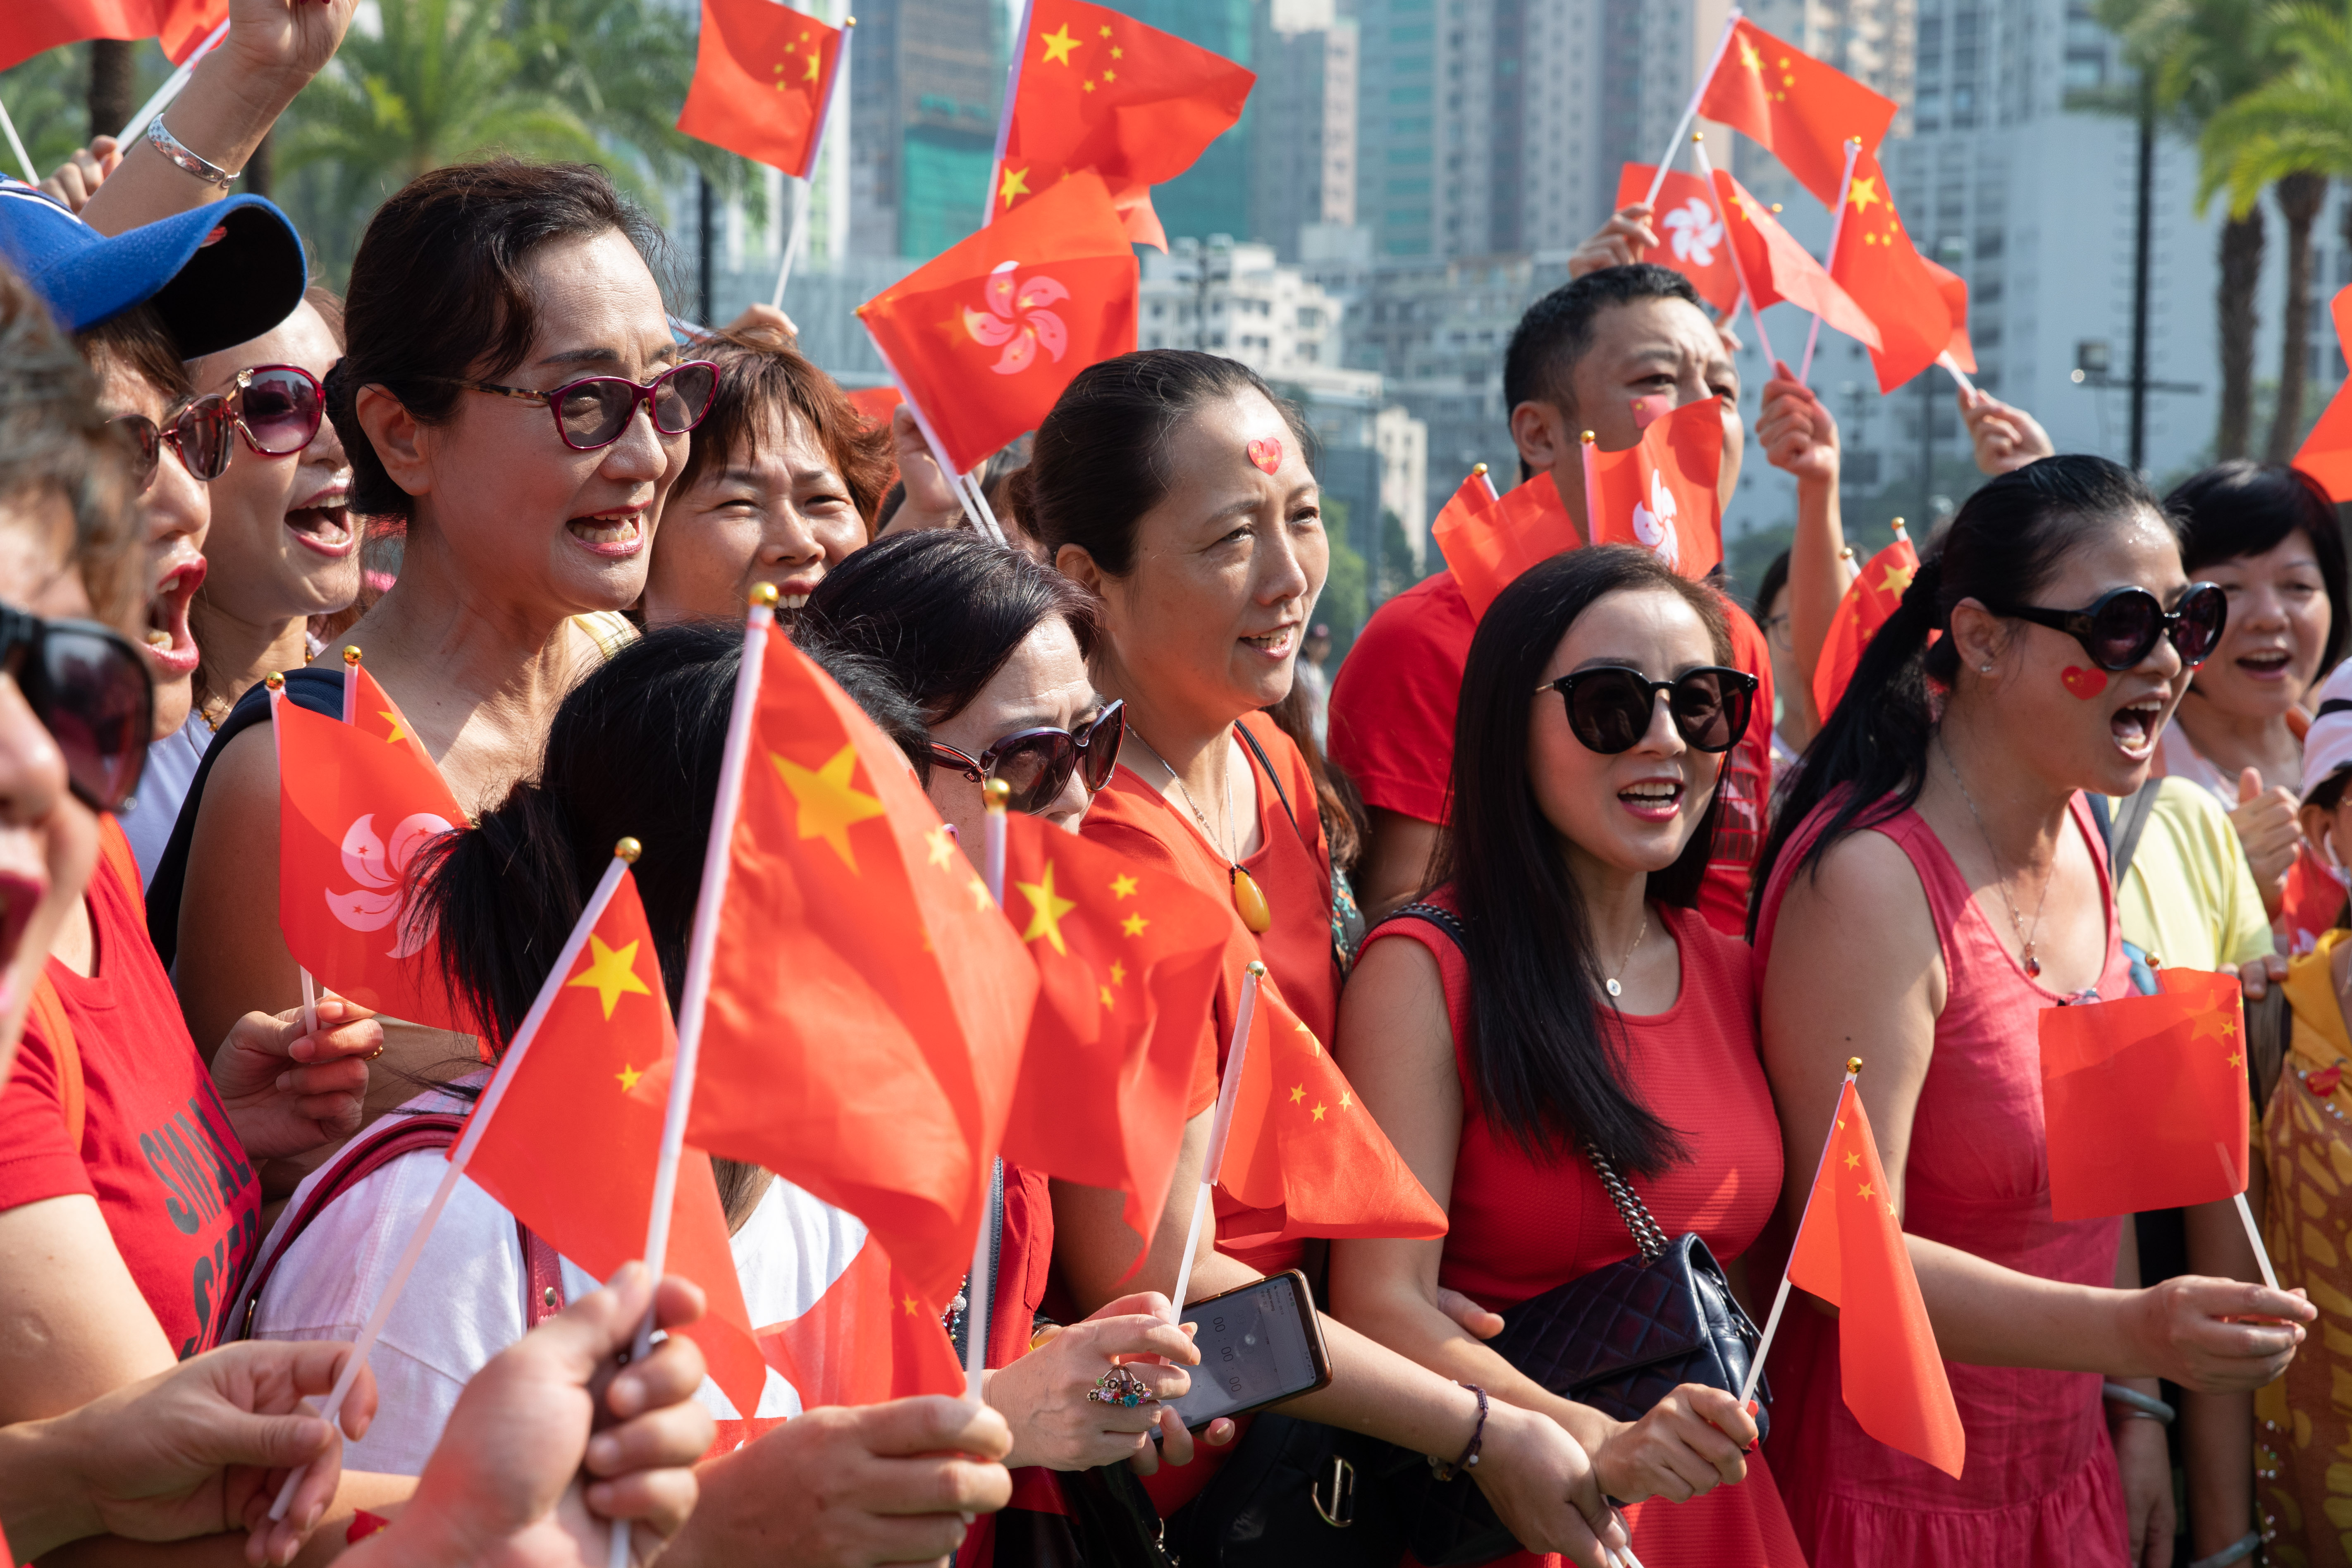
[[1253, 1351]]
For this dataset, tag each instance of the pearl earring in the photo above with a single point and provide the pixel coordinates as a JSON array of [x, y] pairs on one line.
[[1985, 669]]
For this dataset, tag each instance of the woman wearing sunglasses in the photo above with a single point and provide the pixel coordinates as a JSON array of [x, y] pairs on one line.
[[510, 388], [1559, 994], [1936, 881]]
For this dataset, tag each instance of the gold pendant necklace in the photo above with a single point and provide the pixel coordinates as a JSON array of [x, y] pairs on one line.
[[1249, 899]]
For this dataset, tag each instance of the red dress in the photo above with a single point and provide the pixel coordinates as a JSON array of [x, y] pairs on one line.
[[1521, 1225], [2040, 1484]]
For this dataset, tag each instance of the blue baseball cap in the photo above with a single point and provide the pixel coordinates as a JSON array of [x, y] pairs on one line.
[[219, 275]]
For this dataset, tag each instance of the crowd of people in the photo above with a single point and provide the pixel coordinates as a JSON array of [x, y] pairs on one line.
[[1592, 961]]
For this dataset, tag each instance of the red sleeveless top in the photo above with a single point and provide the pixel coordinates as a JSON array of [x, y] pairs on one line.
[[1521, 1225], [2040, 1487]]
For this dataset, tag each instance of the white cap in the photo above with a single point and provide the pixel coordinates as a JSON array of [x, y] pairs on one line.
[[2327, 747]]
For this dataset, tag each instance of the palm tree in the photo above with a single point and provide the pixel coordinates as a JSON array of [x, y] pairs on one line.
[[2292, 132]]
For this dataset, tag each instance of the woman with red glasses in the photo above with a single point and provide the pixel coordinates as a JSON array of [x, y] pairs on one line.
[[510, 387], [1935, 850]]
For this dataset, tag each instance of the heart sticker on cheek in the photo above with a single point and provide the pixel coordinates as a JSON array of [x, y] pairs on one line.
[[1266, 454], [2084, 683]]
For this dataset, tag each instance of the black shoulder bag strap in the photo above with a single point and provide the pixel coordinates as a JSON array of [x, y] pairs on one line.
[[2130, 822], [1339, 954]]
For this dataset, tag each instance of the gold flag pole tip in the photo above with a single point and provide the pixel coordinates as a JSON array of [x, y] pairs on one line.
[[275, 682], [351, 654], [763, 597], [996, 792], [1476, 469], [628, 850], [1588, 437], [1257, 967], [1854, 1064]]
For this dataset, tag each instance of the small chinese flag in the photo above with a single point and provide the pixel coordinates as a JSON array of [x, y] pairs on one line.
[[1305, 1157], [1876, 264], [1488, 540], [1689, 227], [182, 25], [867, 1000], [2314, 898], [30, 26], [1869, 600], [1129, 959], [984, 338], [871, 1337], [1779, 268], [1100, 90], [1659, 492], [1955, 291], [763, 77], [356, 801], [876, 403], [2327, 453], [1850, 1252], [571, 1151], [2144, 1099], [1801, 110]]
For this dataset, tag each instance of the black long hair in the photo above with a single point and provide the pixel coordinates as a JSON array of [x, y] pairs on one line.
[[1546, 1057], [2244, 507], [2007, 542]]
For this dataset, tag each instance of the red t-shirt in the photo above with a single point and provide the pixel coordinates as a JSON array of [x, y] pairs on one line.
[[1393, 701], [157, 1150]]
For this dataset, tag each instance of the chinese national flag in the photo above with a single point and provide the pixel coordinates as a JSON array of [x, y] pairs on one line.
[[571, 1151], [2144, 1099], [356, 801], [870, 1338], [876, 403], [30, 26], [1801, 110], [1877, 266], [1692, 230], [1869, 600], [1128, 961], [182, 25], [1100, 90], [2326, 452], [1303, 1157], [1659, 493], [985, 337], [1850, 1252], [1955, 291], [1779, 268], [867, 1001], [2313, 900], [763, 77], [1488, 540]]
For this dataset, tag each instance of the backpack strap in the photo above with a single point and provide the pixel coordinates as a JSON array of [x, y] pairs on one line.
[[1443, 919], [2267, 1023], [1257, 751], [2130, 822], [47, 1014], [542, 1278], [114, 852]]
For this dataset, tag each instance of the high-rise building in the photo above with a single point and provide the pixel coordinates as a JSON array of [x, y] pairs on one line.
[[927, 83], [1303, 122], [1214, 195]]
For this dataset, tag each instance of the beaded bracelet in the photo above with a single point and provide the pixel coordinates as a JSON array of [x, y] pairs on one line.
[[1469, 1460], [2138, 1404]]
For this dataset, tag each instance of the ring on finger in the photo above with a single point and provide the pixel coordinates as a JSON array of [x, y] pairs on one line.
[[1121, 1387]]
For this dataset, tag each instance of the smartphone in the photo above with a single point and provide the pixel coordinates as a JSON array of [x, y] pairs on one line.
[[1259, 1345]]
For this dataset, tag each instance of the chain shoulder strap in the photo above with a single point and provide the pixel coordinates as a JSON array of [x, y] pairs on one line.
[[1629, 1206]]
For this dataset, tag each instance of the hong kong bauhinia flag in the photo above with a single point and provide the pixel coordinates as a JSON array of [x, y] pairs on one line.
[[1098, 89], [1488, 539], [984, 338], [1691, 238], [763, 77], [1793, 104], [1660, 493], [1876, 264], [1869, 600]]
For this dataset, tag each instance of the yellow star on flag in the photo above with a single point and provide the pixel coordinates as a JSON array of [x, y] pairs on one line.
[[1106, 32], [908, 1303], [1133, 925], [941, 845], [1297, 1093], [394, 720], [1313, 1044], [1015, 183], [2214, 1026], [1866, 1191], [1852, 1161], [1749, 57], [1864, 192], [1896, 580], [1117, 54], [627, 1076], [1319, 1111], [1108, 1001], [611, 973], [1058, 45], [1110, 76], [1346, 1098], [1087, 84], [1118, 973], [1046, 909], [814, 66], [829, 805], [979, 891], [1122, 887]]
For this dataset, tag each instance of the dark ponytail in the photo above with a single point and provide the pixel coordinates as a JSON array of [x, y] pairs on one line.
[[2008, 540]]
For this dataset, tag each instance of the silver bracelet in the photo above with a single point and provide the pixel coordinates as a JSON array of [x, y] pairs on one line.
[[2138, 1404], [2236, 1551], [196, 164]]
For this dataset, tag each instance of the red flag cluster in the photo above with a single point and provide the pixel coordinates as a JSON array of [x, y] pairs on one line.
[[1488, 540], [1802, 111], [30, 26]]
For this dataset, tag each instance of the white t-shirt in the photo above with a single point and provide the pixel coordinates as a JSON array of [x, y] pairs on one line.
[[163, 787], [2179, 758], [464, 1303]]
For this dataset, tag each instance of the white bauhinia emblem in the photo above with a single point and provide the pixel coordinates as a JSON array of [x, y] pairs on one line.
[[1694, 231], [1653, 524], [1017, 319], [382, 874]]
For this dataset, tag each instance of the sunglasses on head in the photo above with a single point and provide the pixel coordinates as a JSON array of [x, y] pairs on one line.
[[1609, 708], [198, 434], [593, 412], [278, 408], [2120, 627], [89, 686], [1037, 763]]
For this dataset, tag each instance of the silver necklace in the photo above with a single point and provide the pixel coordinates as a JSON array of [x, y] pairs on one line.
[[1206, 832], [2000, 883], [1609, 982]]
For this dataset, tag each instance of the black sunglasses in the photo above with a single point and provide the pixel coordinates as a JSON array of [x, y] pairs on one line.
[[1609, 709], [2121, 627], [198, 434], [89, 686], [591, 412], [1037, 763]]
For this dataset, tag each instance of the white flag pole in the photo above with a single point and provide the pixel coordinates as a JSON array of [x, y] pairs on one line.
[[623, 854], [694, 998], [1960, 377], [1004, 121], [1781, 1299], [981, 515], [1738, 267], [801, 197], [1690, 111], [799, 204], [16, 145], [980, 1283], [1837, 229], [1221, 1126], [172, 87]]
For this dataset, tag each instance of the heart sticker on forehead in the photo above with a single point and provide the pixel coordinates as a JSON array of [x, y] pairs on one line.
[[2084, 683], [1266, 454]]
